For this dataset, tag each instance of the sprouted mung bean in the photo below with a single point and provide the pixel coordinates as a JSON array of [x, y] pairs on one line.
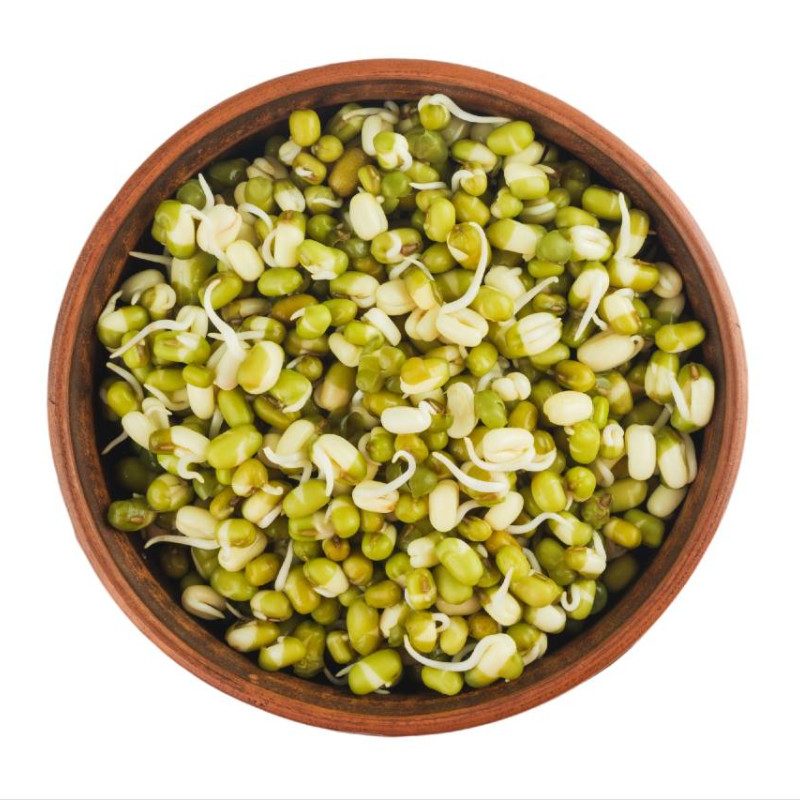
[[401, 394]]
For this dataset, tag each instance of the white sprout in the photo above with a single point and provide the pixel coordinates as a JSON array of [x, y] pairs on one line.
[[485, 380], [229, 336], [332, 678], [463, 652], [537, 651], [266, 248], [397, 245], [383, 322], [430, 185], [678, 396], [599, 547], [215, 425], [501, 593], [527, 527], [524, 299], [202, 217], [245, 336], [156, 412], [536, 464], [605, 474], [407, 159], [283, 572], [324, 530], [362, 448], [356, 405], [270, 516], [328, 202], [403, 477], [188, 339], [171, 405], [599, 322], [570, 601], [458, 176], [442, 621], [217, 356], [663, 417], [207, 193], [165, 261], [128, 377], [465, 508], [113, 443], [157, 325], [235, 611], [182, 468], [398, 269], [477, 278], [180, 405], [690, 456], [189, 541], [111, 305], [384, 113], [451, 666], [326, 469], [475, 484], [286, 460], [456, 111], [296, 406], [532, 560], [595, 296], [540, 463], [257, 212], [508, 466], [624, 236]]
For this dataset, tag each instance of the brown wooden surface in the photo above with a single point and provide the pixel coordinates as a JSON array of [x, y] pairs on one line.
[[117, 558]]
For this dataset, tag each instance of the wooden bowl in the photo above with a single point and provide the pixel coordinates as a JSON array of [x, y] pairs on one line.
[[76, 364]]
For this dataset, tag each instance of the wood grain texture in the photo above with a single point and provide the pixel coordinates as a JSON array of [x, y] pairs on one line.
[[75, 363]]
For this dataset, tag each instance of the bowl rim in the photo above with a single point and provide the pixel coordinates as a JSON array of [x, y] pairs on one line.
[[354, 718]]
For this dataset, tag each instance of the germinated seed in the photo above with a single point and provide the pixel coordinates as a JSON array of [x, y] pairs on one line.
[[407, 382]]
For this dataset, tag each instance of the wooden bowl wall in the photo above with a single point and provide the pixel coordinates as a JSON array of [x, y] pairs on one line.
[[76, 364]]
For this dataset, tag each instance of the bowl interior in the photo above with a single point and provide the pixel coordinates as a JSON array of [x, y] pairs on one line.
[[240, 126]]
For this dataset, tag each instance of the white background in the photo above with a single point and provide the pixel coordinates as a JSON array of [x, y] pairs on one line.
[[705, 705]]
